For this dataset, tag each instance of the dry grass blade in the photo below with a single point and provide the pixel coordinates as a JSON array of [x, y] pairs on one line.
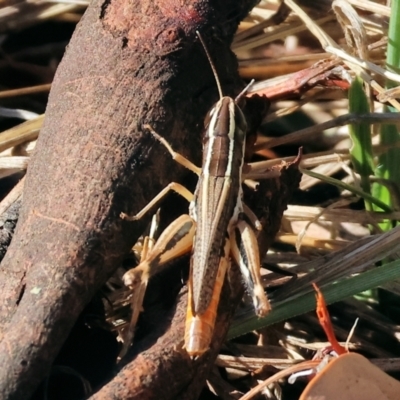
[[372, 118], [23, 91], [253, 363], [279, 375], [25, 132], [318, 214], [33, 12], [354, 258]]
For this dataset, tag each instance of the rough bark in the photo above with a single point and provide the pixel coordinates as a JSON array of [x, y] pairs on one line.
[[128, 63]]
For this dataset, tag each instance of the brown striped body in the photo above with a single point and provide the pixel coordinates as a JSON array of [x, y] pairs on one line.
[[200, 326], [216, 227], [216, 205]]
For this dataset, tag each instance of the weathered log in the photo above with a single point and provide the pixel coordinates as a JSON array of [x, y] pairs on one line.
[[128, 63]]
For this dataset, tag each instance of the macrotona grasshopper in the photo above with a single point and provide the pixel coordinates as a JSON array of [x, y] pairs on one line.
[[219, 224]]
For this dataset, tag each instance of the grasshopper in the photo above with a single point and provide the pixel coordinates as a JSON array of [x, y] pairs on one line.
[[219, 224]]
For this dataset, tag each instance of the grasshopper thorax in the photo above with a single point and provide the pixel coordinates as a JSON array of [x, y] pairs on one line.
[[225, 119], [224, 140]]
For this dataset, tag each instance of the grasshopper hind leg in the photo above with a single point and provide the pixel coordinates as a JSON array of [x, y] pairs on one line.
[[244, 249], [175, 241]]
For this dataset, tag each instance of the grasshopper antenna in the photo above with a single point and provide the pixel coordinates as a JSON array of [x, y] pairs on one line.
[[212, 64]]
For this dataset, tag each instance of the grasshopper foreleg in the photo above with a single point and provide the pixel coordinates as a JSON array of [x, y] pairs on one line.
[[176, 156], [178, 188]]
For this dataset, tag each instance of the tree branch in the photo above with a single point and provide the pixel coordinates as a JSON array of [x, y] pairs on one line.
[[128, 64]]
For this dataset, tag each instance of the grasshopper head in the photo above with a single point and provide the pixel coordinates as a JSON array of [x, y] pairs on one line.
[[225, 119]]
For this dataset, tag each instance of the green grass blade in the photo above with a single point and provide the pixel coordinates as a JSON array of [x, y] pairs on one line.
[[360, 134], [366, 196], [388, 167], [302, 304]]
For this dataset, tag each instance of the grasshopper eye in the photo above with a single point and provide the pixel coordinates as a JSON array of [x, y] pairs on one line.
[[240, 120], [208, 117]]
